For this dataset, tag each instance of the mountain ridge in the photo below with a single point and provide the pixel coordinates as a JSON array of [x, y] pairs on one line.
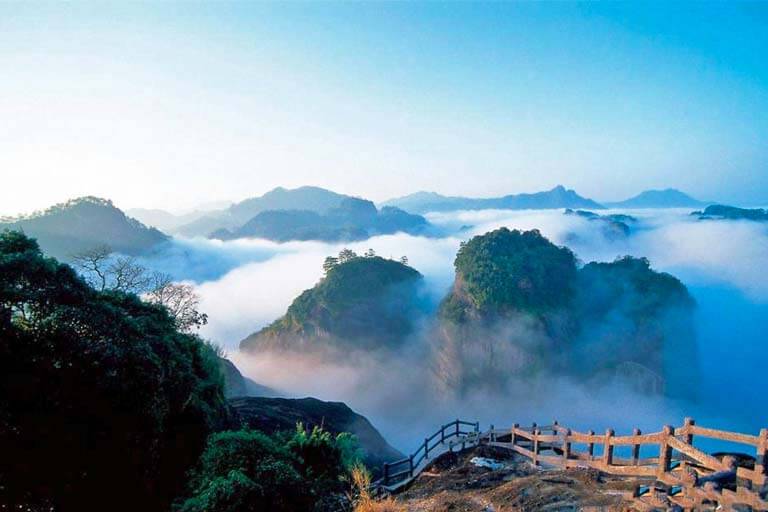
[[557, 197], [658, 198], [84, 223]]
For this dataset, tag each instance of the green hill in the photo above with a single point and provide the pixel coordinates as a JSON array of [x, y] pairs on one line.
[[84, 223], [366, 303], [521, 305]]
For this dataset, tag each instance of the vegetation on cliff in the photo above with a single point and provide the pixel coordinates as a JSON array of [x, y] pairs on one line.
[[364, 302], [504, 271], [521, 304]]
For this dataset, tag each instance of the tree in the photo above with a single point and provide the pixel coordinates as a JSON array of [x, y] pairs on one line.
[[179, 299], [106, 272], [329, 263], [346, 255], [124, 274], [104, 404], [404, 260], [93, 264], [370, 253]]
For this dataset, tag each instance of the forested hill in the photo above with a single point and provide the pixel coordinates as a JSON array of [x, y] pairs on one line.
[[106, 405], [519, 298], [363, 302], [82, 224]]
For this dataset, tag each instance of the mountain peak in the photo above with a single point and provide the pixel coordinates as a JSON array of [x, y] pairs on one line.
[[659, 198]]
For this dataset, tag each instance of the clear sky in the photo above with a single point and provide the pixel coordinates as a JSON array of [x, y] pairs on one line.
[[174, 104]]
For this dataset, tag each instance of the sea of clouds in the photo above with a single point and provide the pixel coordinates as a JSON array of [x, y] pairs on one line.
[[246, 284]]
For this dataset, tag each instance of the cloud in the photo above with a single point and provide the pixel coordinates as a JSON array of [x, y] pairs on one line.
[[246, 284]]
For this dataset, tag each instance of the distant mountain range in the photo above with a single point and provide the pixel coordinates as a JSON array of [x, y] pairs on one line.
[[354, 219], [84, 223], [558, 197], [304, 213], [667, 198], [723, 212], [313, 199]]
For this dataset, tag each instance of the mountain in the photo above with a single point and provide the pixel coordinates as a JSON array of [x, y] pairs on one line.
[[271, 415], [558, 197], [235, 384], [614, 226], [163, 220], [521, 306], [354, 219], [722, 212], [314, 199], [85, 223], [667, 198], [363, 303]]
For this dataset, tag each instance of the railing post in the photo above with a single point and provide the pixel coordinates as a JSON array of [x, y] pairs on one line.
[[426, 448], [591, 446], [442, 434], [477, 427], [410, 466], [665, 452], [386, 473], [491, 437], [566, 448], [512, 433], [761, 460], [635, 448], [536, 432], [457, 426], [608, 448], [687, 424]]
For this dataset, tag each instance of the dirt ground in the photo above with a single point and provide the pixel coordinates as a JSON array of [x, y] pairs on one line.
[[453, 484]]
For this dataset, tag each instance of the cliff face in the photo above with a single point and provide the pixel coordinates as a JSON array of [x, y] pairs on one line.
[[521, 307], [281, 414], [363, 303], [235, 384]]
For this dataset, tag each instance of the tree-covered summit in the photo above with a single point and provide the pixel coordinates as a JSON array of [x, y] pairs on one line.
[[82, 224], [510, 270], [361, 302]]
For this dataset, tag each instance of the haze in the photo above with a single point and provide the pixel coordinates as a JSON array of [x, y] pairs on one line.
[[172, 105]]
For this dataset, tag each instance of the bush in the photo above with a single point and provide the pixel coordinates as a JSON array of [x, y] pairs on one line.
[[247, 470]]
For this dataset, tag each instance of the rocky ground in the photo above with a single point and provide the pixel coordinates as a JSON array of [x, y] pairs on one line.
[[454, 484]]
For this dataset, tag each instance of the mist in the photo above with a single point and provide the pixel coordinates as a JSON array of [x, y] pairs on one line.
[[246, 284]]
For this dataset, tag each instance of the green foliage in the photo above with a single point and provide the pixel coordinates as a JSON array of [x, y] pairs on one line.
[[360, 298], [511, 270], [249, 471], [629, 313], [103, 402]]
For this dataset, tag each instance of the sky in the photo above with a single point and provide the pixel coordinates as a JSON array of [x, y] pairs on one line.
[[175, 104]]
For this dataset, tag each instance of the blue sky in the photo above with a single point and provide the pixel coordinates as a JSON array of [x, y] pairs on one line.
[[173, 104]]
